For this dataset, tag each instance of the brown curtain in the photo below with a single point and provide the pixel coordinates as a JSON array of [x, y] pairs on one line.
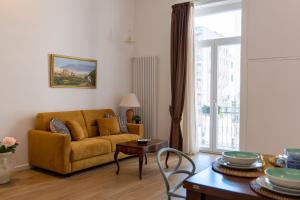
[[179, 44]]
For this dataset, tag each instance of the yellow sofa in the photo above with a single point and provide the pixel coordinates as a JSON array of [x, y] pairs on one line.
[[56, 152]]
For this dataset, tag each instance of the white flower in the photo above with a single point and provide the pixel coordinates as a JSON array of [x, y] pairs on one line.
[[9, 141]]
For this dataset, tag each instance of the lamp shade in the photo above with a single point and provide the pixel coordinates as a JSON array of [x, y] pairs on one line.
[[130, 100]]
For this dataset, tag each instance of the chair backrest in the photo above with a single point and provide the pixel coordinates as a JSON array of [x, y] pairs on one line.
[[166, 174]]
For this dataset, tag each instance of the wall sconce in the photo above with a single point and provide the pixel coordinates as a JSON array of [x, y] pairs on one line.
[[130, 39]]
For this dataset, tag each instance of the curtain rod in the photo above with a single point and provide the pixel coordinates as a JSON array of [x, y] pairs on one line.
[[203, 2], [206, 1]]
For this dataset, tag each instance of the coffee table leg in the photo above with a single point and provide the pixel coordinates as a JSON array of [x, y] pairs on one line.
[[141, 162], [146, 159], [117, 162]]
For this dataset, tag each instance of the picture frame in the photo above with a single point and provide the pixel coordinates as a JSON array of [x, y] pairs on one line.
[[72, 72]]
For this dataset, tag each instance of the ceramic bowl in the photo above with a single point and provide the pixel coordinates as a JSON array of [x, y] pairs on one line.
[[284, 177], [240, 157], [292, 153]]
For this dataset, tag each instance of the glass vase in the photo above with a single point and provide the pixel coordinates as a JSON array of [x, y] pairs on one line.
[[6, 167]]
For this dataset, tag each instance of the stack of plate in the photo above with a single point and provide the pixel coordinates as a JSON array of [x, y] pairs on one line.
[[281, 180], [293, 158], [240, 160]]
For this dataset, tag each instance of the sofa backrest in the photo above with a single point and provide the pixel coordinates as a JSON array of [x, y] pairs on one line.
[[91, 117], [43, 119]]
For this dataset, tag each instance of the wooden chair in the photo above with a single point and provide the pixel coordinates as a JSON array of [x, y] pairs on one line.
[[171, 191]]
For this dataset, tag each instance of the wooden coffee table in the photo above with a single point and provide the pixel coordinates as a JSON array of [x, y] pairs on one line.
[[141, 150]]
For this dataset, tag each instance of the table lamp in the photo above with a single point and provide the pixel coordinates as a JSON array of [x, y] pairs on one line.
[[130, 101]]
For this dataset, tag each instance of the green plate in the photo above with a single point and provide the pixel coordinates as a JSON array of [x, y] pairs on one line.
[[240, 154], [240, 157], [285, 177], [284, 173]]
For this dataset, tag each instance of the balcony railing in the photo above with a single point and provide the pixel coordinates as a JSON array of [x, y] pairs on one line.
[[228, 127]]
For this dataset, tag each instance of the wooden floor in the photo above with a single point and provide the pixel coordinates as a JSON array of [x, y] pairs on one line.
[[99, 183]]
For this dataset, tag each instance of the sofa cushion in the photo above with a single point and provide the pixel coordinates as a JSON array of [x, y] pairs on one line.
[[76, 130], [89, 147], [115, 139], [91, 117], [108, 126], [43, 119]]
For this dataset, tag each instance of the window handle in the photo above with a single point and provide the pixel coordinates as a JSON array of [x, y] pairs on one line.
[[215, 102]]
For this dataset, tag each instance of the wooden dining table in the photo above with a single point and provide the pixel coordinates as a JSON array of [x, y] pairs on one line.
[[211, 185]]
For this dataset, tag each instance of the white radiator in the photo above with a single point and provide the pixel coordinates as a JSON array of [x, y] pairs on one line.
[[144, 85]]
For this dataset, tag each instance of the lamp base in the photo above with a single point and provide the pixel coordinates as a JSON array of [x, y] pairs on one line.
[[129, 115]]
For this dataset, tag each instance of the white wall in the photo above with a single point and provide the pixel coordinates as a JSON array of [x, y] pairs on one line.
[[270, 86], [32, 29], [152, 27]]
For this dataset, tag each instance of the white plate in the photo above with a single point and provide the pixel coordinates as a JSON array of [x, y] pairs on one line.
[[255, 165], [263, 182]]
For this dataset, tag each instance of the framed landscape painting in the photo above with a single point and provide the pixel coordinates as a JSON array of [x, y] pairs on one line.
[[72, 72]]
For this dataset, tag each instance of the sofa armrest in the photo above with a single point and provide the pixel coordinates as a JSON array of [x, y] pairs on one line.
[[49, 151], [136, 129]]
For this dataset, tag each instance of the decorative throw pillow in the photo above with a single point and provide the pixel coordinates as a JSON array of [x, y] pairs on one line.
[[121, 119], [108, 126], [77, 132], [123, 124], [57, 126]]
